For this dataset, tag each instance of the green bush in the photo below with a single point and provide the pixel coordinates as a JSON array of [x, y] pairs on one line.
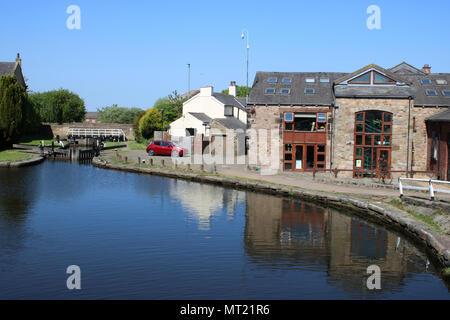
[[150, 122]]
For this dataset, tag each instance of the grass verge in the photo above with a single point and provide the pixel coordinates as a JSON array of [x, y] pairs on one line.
[[13, 155]]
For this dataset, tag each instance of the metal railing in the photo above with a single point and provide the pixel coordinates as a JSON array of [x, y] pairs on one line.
[[431, 188], [96, 133]]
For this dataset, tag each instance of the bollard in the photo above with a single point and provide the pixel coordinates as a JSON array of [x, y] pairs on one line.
[[126, 159], [162, 163], [189, 166], [151, 162], [117, 155], [139, 160], [202, 167]]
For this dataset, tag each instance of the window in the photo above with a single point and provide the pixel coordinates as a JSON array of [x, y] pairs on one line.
[[287, 80], [272, 80], [157, 143], [324, 80], [310, 91], [364, 79], [270, 91], [305, 122], [441, 81], [285, 91], [288, 117], [431, 93], [373, 136], [425, 81], [310, 80], [229, 111], [380, 79], [446, 93]]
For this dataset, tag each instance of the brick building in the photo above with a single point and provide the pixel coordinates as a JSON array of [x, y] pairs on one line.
[[368, 123]]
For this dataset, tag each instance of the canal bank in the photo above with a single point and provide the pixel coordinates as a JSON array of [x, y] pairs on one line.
[[377, 211], [25, 160]]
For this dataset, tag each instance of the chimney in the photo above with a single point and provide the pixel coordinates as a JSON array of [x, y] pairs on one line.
[[426, 68], [18, 60], [232, 91], [206, 91]]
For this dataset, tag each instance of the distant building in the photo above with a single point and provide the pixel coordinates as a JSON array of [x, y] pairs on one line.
[[91, 117], [13, 68]]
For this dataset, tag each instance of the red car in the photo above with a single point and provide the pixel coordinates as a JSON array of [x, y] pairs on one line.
[[164, 148]]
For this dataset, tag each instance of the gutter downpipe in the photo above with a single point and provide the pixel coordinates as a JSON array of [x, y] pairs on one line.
[[409, 136]]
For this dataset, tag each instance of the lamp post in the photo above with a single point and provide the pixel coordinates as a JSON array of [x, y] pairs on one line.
[[243, 36], [162, 119]]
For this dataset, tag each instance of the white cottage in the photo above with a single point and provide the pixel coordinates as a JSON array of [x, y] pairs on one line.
[[209, 109]]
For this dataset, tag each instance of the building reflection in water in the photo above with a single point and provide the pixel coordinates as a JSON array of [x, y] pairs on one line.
[[281, 233], [203, 202]]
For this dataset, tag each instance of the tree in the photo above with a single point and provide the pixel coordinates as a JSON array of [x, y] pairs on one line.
[[241, 91], [17, 114], [137, 132], [116, 114], [150, 122], [59, 106], [172, 105]]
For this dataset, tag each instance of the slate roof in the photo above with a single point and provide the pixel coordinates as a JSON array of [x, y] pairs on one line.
[[231, 123], [394, 92], [230, 100], [408, 77], [201, 116], [7, 68], [91, 115], [419, 89], [323, 91], [443, 116]]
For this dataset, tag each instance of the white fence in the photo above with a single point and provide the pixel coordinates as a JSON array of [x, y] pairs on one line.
[[97, 133], [432, 187]]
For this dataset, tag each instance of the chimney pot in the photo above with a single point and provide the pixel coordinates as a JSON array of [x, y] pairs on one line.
[[232, 90], [427, 68]]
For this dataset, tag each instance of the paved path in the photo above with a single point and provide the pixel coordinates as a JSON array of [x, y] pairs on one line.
[[304, 181]]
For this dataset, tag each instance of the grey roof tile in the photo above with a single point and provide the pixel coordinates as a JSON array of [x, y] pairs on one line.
[[231, 123], [323, 91], [201, 116], [443, 116], [7, 68]]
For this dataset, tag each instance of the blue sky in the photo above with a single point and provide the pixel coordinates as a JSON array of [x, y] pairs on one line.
[[133, 52]]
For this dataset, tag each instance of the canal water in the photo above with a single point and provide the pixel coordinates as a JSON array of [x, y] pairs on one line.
[[143, 237]]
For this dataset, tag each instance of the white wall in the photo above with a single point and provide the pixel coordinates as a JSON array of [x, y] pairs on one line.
[[178, 127]]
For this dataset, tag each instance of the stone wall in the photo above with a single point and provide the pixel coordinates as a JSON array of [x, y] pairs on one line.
[[345, 130], [265, 126], [419, 137], [62, 129]]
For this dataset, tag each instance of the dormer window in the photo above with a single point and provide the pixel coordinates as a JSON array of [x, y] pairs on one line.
[[272, 80], [363, 79], [229, 111], [285, 91], [310, 80], [425, 81], [431, 93], [310, 91], [446, 93], [324, 80], [441, 81], [270, 91], [287, 80], [380, 79]]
